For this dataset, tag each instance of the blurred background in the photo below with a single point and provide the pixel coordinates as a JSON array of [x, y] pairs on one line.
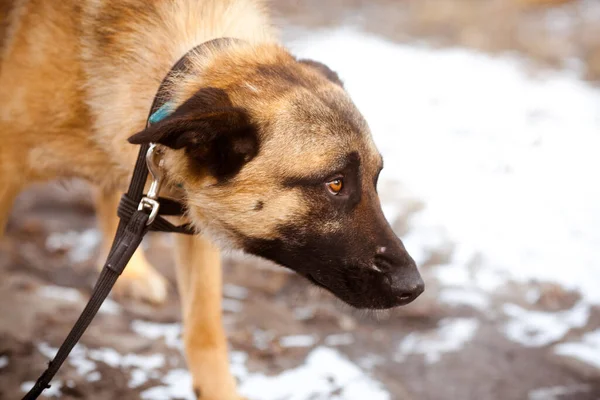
[[487, 113]]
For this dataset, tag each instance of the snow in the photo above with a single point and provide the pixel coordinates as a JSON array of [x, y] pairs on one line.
[[587, 350], [536, 328], [178, 385], [504, 163], [110, 306], [496, 169], [339, 339], [93, 376], [261, 339], [74, 296], [171, 333], [235, 291], [77, 358], [326, 374], [114, 359], [304, 313], [371, 361], [467, 297], [450, 336], [60, 293], [232, 305], [297, 341], [84, 360], [80, 246], [52, 391], [557, 392]]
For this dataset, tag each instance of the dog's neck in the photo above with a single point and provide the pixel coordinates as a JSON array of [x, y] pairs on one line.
[[122, 79]]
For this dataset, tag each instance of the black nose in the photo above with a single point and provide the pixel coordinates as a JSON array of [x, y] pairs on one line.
[[407, 292], [405, 281]]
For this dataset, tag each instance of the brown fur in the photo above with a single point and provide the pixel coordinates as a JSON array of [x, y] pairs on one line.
[[253, 140]]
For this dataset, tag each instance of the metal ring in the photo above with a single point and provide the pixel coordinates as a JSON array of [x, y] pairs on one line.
[[149, 204]]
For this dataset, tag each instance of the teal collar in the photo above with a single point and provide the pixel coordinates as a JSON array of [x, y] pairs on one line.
[[163, 112]]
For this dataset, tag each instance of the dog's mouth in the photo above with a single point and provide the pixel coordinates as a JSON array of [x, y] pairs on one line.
[[370, 291], [344, 291]]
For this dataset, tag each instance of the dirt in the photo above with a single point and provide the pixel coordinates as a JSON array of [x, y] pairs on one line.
[[278, 303]]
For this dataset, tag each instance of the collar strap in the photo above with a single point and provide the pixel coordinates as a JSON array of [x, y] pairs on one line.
[[161, 106], [160, 109]]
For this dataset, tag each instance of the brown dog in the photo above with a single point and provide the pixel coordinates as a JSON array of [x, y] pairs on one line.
[[268, 153]]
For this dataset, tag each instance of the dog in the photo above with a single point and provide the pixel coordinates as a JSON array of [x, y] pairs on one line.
[[267, 152]]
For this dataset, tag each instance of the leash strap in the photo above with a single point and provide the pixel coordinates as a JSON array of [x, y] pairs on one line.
[[133, 225], [128, 206], [121, 252]]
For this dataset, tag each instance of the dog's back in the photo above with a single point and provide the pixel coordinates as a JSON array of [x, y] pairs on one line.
[[77, 77], [5, 7]]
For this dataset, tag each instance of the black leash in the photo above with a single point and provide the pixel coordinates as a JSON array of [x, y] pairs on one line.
[[138, 214]]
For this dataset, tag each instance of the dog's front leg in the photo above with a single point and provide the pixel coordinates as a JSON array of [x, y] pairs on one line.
[[199, 279]]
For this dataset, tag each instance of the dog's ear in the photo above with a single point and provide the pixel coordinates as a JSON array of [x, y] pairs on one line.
[[216, 136], [323, 69]]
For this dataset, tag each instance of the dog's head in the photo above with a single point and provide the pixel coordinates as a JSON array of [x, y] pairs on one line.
[[273, 156]]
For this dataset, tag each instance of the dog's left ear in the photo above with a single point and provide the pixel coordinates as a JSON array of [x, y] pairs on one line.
[[216, 136], [323, 69]]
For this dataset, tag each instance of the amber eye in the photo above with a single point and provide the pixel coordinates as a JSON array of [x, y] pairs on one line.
[[335, 186]]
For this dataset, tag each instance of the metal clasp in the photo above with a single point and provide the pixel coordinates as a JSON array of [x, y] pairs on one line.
[[150, 201]]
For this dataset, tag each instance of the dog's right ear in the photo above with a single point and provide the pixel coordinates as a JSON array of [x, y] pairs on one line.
[[215, 135]]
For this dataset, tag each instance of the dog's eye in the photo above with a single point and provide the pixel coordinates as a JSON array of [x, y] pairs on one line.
[[335, 186]]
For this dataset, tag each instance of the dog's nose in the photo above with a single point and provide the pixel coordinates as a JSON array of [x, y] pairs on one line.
[[406, 294], [407, 284]]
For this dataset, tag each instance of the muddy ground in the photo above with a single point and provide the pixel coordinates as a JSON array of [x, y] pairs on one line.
[[52, 242], [277, 304]]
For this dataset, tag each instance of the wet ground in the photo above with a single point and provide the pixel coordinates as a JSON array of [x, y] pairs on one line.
[[452, 343], [432, 349]]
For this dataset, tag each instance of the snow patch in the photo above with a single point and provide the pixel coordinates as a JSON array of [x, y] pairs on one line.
[[340, 339], [464, 297], [142, 367], [116, 360], [60, 293], [304, 313], [177, 385], [325, 375], [297, 341], [74, 296], [111, 307], [587, 350], [450, 336], [80, 246], [76, 359], [231, 305], [557, 392], [235, 291], [171, 333], [94, 376], [53, 391], [503, 162], [537, 328], [371, 361], [138, 378]]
